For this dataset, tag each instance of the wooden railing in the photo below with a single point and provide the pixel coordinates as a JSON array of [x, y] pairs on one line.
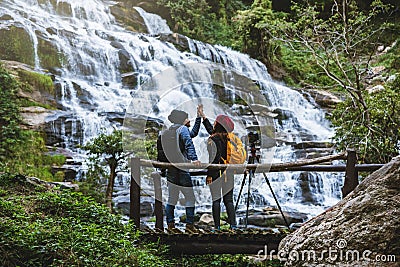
[[351, 169]]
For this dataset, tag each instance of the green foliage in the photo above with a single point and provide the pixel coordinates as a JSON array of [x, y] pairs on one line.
[[10, 132], [391, 59], [378, 141], [21, 151], [16, 44], [29, 103], [334, 50], [108, 145], [108, 149], [252, 25], [223, 260], [30, 158], [189, 15], [65, 228], [36, 80], [53, 228], [93, 183], [207, 21]]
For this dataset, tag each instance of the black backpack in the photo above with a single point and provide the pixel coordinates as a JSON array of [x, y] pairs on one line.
[[170, 147]]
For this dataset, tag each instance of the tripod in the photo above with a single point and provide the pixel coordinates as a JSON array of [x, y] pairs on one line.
[[252, 158]]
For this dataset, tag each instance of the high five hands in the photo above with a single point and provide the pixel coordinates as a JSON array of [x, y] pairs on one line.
[[200, 112]]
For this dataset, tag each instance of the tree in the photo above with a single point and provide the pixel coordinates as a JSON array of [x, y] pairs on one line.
[[378, 142], [107, 148], [342, 45], [257, 27]]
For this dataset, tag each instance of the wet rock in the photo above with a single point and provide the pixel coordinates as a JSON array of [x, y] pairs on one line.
[[50, 56], [63, 93], [312, 144], [178, 40], [375, 89], [114, 116], [256, 199], [66, 185], [130, 79], [310, 185], [364, 222], [271, 217], [35, 117], [323, 98], [206, 219], [125, 64], [70, 172], [49, 185], [63, 125], [146, 205], [16, 44], [126, 15]]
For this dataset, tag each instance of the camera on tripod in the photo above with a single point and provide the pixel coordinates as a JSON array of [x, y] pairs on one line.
[[254, 146], [253, 138]]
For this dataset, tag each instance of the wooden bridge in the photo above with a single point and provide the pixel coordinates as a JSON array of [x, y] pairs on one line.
[[247, 241]]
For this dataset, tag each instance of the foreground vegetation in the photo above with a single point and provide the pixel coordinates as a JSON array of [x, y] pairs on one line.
[[40, 226]]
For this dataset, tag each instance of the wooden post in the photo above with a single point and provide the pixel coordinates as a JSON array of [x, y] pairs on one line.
[[351, 176], [135, 192], [158, 211]]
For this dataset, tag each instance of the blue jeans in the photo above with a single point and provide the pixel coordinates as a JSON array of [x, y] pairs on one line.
[[179, 181]]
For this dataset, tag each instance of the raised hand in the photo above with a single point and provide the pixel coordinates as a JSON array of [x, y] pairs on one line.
[[200, 112]]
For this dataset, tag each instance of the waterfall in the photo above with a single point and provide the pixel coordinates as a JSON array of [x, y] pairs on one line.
[[155, 24], [103, 67]]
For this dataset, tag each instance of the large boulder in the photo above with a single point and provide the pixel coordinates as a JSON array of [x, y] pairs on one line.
[[360, 230], [323, 98], [35, 117]]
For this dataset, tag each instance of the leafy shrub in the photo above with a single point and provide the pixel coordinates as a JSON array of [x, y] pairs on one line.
[[64, 228], [376, 140], [10, 132]]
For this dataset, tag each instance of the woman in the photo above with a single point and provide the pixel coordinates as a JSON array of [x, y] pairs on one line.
[[221, 183]]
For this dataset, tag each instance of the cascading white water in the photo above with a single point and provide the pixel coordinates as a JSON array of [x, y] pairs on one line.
[[155, 24], [94, 98]]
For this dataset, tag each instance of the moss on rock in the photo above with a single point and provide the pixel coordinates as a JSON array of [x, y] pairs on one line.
[[16, 44], [38, 81]]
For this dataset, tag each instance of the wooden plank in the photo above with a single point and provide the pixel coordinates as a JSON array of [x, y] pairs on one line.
[[265, 167], [240, 242], [135, 192], [351, 176], [158, 209]]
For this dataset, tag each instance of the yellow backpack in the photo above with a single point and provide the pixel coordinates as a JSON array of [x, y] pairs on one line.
[[236, 152]]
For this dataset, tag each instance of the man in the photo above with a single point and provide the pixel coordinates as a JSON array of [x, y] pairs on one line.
[[181, 150]]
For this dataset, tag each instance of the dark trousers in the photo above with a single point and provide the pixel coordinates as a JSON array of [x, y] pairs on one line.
[[179, 181], [222, 188]]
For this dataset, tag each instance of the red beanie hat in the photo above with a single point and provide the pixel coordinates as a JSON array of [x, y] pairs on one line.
[[226, 122]]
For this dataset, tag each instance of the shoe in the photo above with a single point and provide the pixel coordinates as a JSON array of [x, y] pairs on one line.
[[190, 229], [171, 229]]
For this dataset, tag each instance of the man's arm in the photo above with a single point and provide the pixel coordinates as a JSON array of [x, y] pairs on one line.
[[188, 143], [196, 127]]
